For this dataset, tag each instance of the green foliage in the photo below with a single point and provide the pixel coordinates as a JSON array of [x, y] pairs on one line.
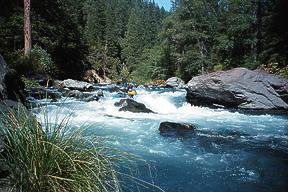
[[218, 67], [54, 26], [41, 61], [125, 74], [284, 71], [30, 84], [193, 38], [19, 62], [275, 68], [151, 66], [54, 157], [38, 61]]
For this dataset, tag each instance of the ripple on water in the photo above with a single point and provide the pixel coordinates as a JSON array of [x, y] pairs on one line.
[[228, 151]]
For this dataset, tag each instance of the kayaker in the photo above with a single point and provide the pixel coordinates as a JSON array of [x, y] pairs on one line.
[[131, 92]]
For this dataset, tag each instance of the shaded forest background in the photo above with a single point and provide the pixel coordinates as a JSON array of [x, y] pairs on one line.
[[135, 40]]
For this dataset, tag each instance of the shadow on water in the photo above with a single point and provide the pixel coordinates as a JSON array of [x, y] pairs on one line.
[[257, 163]]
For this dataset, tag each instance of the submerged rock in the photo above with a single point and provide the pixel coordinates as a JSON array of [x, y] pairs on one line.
[[114, 89], [132, 106], [91, 98], [82, 96], [43, 93], [75, 93], [100, 93], [78, 85], [172, 128], [175, 82], [239, 88]]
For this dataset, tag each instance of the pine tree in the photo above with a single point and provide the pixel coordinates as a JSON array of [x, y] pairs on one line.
[[27, 27], [133, 41]]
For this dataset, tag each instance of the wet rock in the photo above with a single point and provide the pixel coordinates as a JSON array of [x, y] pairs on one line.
[[132, 106], [58, 84], [43, 93], [173, 129], [175, 82], [100, 93], [77, 85], [91, 98], [114, 89], [239, 88], [75, 93]]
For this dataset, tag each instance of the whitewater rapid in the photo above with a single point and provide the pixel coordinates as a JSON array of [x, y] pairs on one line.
[[231, 149]]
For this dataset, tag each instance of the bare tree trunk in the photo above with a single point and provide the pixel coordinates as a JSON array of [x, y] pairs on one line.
[[27, 27]]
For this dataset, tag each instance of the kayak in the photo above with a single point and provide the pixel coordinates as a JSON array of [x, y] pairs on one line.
[[132, 92]]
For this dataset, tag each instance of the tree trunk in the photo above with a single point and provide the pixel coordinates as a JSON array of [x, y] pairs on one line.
[[27, 28]]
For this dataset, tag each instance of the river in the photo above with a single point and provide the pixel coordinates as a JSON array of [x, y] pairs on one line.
[[230, 151]]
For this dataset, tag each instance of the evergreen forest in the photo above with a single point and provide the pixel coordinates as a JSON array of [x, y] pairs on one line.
[[136, 40]]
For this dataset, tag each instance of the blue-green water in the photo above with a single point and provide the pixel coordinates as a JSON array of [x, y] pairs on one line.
[[228, 152]]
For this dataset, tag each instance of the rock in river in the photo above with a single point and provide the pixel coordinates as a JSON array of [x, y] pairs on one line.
[[78, 85], [175, 82], [132, 106], [172, 129], [239, 88], [75, 93]]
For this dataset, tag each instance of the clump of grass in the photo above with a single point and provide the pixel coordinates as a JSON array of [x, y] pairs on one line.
[[53, 158]]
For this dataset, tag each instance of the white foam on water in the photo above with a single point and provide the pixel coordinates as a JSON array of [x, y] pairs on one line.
[[139, 131]]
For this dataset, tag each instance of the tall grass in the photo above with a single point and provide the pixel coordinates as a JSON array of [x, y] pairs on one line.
[[53, 158]]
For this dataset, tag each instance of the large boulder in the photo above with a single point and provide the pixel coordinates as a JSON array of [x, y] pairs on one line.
[[77, 85], [175, 82], [132, 106], [239, 88], [172, 128], [82, 96]]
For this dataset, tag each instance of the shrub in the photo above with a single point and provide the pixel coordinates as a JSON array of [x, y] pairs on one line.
[[41, 61], [19, 62], [30, 84], [274, 68], [218, 67], [53, 158], [284, 71]]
